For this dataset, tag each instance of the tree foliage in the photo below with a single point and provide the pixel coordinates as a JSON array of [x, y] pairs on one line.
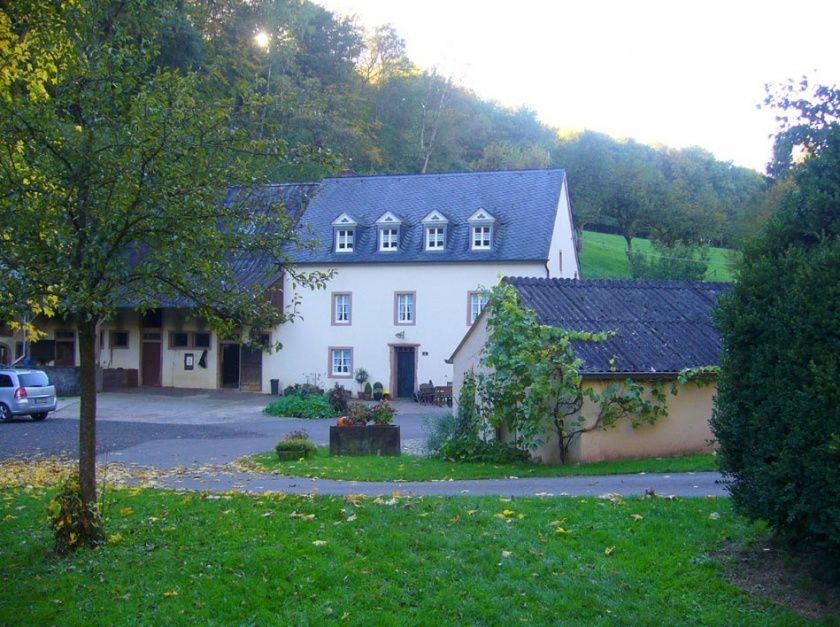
[[778, 411]]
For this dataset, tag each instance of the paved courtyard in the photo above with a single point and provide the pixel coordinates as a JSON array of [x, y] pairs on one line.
[[168, 427]]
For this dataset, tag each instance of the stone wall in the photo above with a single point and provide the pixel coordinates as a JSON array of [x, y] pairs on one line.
[[67, 380]]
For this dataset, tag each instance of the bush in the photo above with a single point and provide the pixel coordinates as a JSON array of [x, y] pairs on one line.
[[74, 525], [777, 415], [303, 390], [382, 413], [339, 398], [294, 406], [445, 440], [294, 443]]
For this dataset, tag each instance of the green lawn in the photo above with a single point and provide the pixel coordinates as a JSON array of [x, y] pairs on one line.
[[410, 468], [605, 257], [188, 558]]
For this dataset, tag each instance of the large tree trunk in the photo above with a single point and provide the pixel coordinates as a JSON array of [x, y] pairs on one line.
[[87, 413]]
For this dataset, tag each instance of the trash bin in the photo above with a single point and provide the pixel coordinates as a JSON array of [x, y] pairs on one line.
[[275, 387]]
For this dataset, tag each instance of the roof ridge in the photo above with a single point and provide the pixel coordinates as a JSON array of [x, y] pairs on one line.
[[446, 174]]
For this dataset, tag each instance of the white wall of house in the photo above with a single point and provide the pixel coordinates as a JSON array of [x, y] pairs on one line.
[[562, 256], [441, 298]]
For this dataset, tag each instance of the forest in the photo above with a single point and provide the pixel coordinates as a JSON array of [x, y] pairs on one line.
[[336, 97]]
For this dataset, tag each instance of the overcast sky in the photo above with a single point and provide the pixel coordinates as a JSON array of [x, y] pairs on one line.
[[678, 73]]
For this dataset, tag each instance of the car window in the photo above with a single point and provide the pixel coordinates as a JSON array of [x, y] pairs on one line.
[[33, 379], [6, 381]]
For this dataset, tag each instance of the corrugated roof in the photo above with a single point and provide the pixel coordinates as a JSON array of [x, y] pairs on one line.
[[524, 203], [661, 326]]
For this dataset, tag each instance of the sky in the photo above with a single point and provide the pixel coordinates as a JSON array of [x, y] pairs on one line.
[[677, 72]]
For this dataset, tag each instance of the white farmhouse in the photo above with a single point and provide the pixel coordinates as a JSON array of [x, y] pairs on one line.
[[409, 255]]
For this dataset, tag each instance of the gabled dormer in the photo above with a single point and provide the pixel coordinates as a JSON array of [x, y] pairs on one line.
[[434, 231], [482, 227], [344, 233], [388, 232]]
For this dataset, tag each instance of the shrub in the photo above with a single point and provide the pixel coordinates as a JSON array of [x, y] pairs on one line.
[[382, 413], [445, 440], [339, 398], [777, 415], [302, 446], [294, 406], [303, 390], [74, 525], [359, 414]]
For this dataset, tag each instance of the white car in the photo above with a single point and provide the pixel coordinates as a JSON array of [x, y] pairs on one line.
[[25, 393]]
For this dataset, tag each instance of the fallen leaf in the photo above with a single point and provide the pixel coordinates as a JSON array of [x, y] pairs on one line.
[[171, 593], [506, 553], [126, 511], [714, 516], [636, 517], [609, 550], [319, 542]]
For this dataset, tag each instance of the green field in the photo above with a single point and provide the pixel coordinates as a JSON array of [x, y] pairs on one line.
[[605, 257], [198, 558]]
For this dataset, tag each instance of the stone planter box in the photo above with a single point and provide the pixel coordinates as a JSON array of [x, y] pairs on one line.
[[367, 440]]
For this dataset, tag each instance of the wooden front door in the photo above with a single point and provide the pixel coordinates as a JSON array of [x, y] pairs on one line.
[[406, 372], [251, 372], [150, 361]]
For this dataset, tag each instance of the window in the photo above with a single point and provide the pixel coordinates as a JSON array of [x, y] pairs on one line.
[[6, 381], [118, 339], [341, 308], [404, 312], [475, 303], [344, 240], [341, 363], [185, 339], [179, 340], [65, 348], [481, 237], [389, 239], [435, 237]]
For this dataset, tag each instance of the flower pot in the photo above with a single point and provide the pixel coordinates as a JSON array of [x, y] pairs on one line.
[[363, 397]]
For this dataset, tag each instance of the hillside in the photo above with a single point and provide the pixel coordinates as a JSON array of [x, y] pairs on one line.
[[604, 257]]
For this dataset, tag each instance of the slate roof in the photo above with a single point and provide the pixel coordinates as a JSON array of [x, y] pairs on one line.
[[524, 203], [662, 326]]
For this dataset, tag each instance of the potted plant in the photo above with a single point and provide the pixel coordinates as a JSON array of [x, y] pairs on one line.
[[361, 376], [386, 395], [368, 392], [294, 446], [377, 391]]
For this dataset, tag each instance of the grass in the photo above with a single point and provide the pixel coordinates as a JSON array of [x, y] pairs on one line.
[[188, 558], [409, 468], [604, 256]]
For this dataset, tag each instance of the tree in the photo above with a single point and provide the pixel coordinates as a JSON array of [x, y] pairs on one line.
[[114, 179], [675, 262], [777, 416]]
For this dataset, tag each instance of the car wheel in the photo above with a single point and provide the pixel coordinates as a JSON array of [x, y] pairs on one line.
[[39, 416], [5, 413]]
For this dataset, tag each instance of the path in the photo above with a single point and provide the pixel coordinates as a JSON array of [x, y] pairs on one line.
[[699, 484]]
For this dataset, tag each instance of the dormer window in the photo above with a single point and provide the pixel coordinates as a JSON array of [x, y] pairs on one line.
[[435, 237], [481, 230], [481, 237], [389, 232], [345, 233], [389, 239], [434, 226], [344, 240]]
